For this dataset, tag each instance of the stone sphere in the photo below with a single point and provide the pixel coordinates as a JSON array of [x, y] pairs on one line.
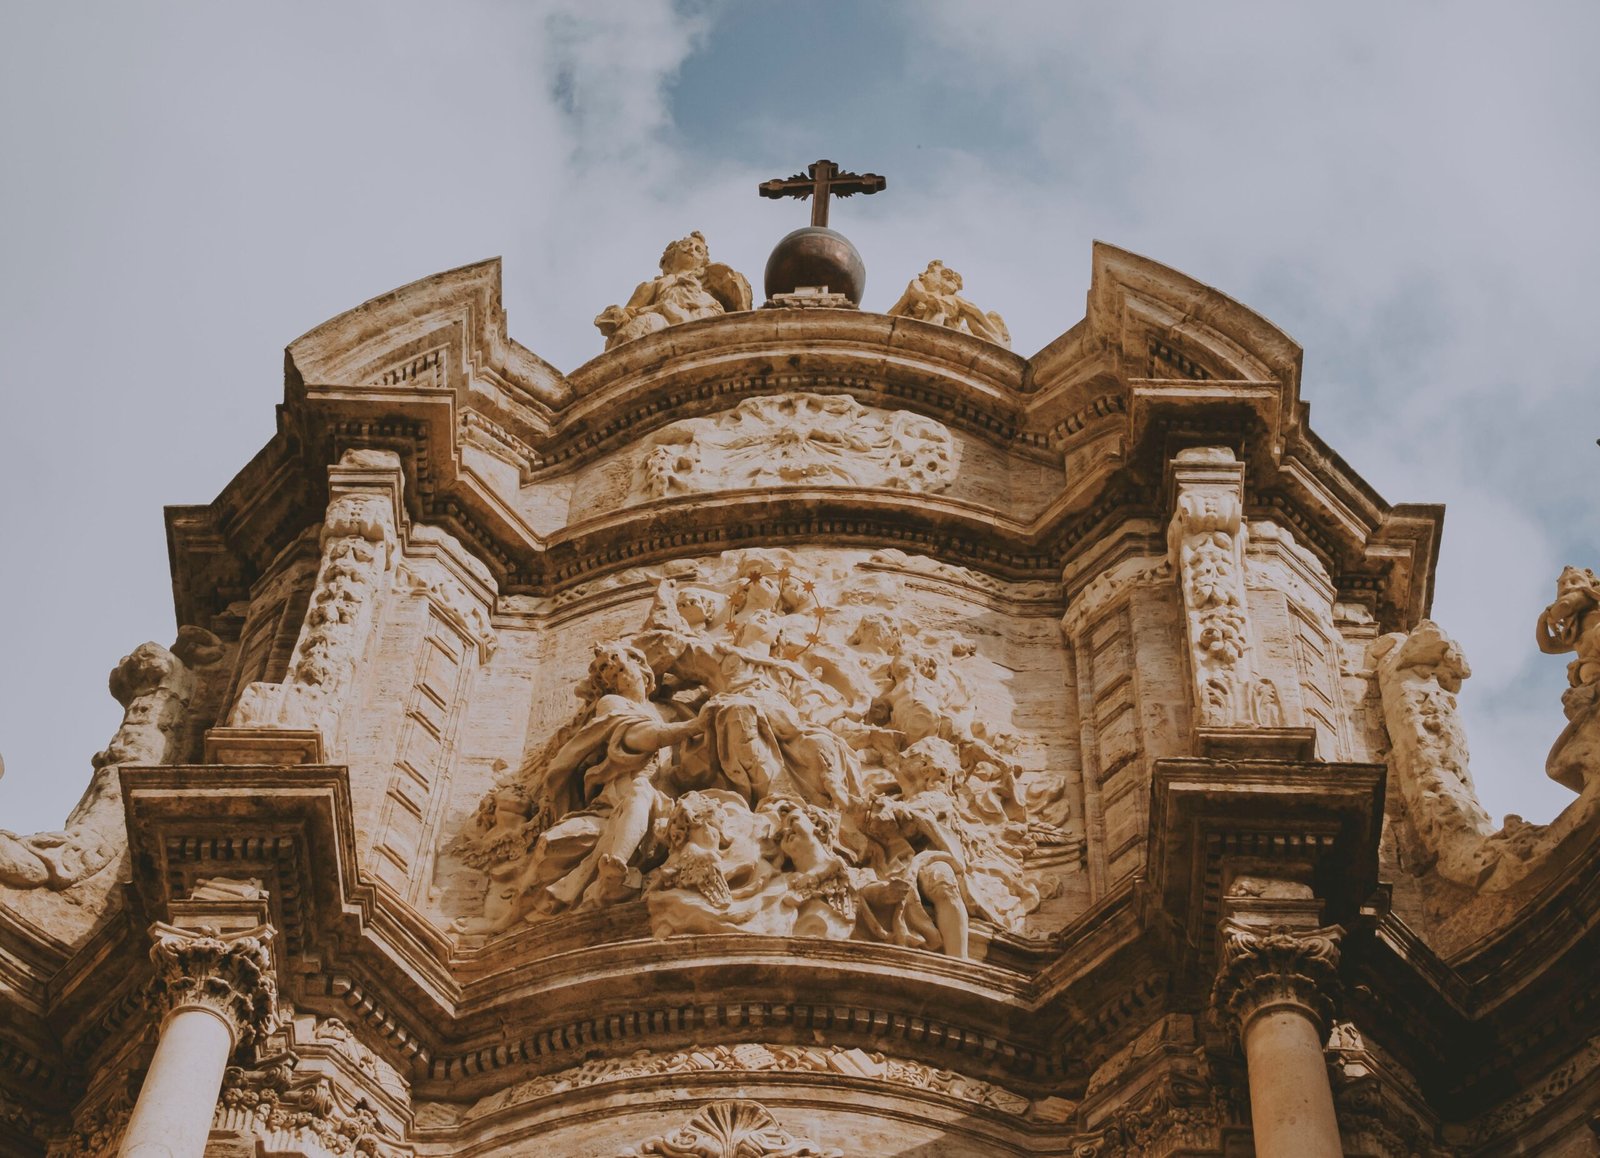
[[814, 256]]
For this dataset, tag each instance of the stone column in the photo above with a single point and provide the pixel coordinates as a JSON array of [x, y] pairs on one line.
[[214, 993], [1277, 987]]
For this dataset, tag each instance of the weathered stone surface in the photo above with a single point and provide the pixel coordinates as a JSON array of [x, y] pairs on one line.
[[807, 731]]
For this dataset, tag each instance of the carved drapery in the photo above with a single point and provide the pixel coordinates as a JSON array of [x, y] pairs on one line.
[[731, 1129], [1272, 966], [228, 974]]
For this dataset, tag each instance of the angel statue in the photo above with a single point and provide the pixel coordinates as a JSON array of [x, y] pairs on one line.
[[1572, 623], [691, 286], [934, 296]]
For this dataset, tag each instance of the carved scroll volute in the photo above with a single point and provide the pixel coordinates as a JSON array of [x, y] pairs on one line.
[[359, 539], [1206, 539]]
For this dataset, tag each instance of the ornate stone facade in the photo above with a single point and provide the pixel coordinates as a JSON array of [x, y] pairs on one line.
[[802, 731]]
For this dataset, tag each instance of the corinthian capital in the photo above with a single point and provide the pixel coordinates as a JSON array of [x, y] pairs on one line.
[[1274, 966], [229, 974]]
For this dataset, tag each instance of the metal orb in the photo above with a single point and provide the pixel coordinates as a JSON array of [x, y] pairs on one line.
[[815, 256]]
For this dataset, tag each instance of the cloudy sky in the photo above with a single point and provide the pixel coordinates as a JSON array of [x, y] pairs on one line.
[[1408, 189]]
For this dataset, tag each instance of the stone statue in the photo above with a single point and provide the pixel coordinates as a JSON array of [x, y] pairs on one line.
[[154, 685], [934, 296], [690, 286], [1419, 675], [601, 784], [775, 751], [1572, 623]]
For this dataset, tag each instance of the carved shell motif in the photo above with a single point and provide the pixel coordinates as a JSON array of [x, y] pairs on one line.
[[731, 1129]]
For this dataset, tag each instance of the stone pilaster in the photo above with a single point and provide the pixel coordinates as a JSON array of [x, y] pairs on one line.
[[360, 536], [1206, 541], [1278, 986]]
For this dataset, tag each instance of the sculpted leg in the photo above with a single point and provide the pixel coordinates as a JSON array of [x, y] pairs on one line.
[[938, 883]]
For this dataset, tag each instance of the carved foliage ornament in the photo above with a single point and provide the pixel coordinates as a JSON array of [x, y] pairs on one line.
[[229, 975], [1264, 967], [756, 1057], [290, 1109], [799, 440], [731, 1129]]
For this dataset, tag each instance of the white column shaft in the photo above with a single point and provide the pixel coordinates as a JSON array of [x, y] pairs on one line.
[[1291, 1102], [172, 1118]]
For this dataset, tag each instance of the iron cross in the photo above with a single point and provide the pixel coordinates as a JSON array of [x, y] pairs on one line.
[[821, 182]]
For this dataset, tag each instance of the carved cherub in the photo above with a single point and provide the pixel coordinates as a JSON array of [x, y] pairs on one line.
[[1572, 623], [695, 836], [690, 286], [934, 296]]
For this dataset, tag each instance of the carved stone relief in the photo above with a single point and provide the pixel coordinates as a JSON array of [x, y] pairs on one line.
[[934, 296], [799, 440], [731, 1129], [359, 538], [757, 1058], [97, 1130], [690, 286], [1207, 539], [776, 750], [316, 1089], [231, 975]]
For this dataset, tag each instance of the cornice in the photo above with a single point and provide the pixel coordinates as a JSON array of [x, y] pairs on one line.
[[1158, 360]]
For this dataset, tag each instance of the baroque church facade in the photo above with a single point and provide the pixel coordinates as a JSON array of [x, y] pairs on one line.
[[802, 732]]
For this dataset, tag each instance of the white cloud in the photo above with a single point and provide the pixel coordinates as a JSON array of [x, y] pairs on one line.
[[1406, 189]]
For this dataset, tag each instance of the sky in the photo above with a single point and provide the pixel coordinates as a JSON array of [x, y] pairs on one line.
[[1407, 189]]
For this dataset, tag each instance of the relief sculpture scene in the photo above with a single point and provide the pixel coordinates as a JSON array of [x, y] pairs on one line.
[[777, 750]]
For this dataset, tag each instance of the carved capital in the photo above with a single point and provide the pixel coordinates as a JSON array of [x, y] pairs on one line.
[[1272, 966], [228, 974]]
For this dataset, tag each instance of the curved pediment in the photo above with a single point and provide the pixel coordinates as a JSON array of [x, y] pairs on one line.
[[538, 469]]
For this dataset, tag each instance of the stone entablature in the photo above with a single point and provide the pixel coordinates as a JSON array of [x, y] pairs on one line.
[[802, 731]]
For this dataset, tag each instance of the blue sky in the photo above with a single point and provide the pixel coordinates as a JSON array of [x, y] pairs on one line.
[[1409, 190]]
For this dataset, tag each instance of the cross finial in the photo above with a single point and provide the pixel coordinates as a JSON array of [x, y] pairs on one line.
[[821, 182]]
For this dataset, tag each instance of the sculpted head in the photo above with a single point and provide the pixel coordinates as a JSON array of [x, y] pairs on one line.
[[686, 254], [929, 764], [621, 670], [698, 606], [941, 278], [692, 810], [1577, 587]]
